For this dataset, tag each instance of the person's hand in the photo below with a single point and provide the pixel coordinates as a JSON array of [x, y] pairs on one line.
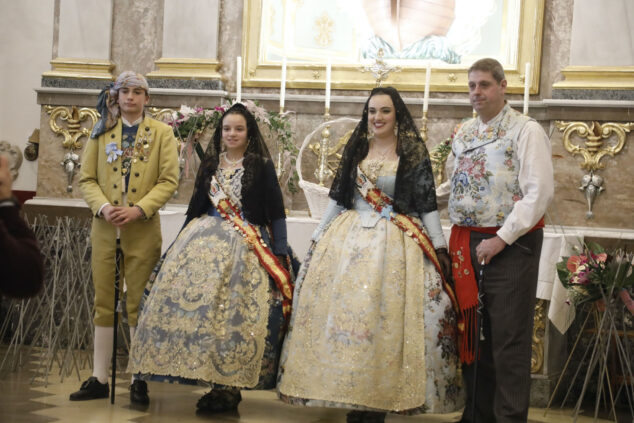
[[445, 264], [5, 179], [106, 212], [122, 215], [488, 248]]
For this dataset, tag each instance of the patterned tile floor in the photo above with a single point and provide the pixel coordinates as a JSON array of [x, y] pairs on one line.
[[23, 400]]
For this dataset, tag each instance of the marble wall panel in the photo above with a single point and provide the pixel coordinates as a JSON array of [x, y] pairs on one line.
[[613, 208], [84, 29], [230, 40], [602, 33], [608, 114], [137, 34], [190, 29], [555, 43], [51, 179]]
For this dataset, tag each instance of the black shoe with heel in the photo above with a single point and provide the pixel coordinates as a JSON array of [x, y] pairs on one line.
[[138, 393], [219, 400], [358, 416]]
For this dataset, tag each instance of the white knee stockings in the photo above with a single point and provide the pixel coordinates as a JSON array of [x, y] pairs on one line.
[[102, 355], [103, 352]]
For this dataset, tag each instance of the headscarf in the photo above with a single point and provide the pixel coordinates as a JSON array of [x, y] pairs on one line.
[[414, 190], [107, 104]]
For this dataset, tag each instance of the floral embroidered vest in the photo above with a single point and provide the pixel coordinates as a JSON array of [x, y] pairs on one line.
[[484, 185]]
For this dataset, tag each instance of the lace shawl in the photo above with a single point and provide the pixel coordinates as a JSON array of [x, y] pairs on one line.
[[415, 190]]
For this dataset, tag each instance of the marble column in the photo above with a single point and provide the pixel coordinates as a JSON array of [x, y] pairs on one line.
[[601, 52], [190, 46], [83, 42]]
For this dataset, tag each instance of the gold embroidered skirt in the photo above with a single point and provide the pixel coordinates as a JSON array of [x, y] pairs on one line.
[[372, 327], [207, 314]]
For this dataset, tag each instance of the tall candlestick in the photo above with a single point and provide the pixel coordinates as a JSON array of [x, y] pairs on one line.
[[427, 80], [283, 83], [328, 79], [238, 79], [527, 84]]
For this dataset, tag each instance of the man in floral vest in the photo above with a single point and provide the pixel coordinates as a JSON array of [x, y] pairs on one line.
[[500, 189], [129, 170]]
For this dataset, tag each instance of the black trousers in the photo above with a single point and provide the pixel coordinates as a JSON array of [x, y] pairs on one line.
[[509, 288]]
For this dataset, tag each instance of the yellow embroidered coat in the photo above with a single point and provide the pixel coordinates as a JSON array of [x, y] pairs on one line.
[[153, 180]]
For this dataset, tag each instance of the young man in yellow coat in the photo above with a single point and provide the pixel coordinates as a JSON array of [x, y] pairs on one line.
[[129, 170]]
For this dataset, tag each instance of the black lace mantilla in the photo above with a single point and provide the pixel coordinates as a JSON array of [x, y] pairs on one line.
[[257, 160], [415, 190]]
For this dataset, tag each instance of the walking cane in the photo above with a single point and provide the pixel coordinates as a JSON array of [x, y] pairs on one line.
[[479, 335], [117, 308]]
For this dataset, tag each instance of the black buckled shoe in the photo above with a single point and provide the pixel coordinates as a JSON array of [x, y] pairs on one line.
[[91, 389], [219, 400], [359, 416], [138, 393]]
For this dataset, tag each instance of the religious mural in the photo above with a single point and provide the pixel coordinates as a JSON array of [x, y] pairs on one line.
[[449, 34], [449, 31]]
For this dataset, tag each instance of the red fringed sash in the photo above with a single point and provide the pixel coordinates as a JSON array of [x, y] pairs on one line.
[[251, 235], [382, 203], [466, 285]]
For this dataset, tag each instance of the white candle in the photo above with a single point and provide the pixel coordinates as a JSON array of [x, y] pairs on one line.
[[328, 80], [238, 79], [283, 83], [427, 80], [527, 84]]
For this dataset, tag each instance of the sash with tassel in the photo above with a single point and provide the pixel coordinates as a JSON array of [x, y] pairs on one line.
[[466, 285], [383, 204], [232, 214]]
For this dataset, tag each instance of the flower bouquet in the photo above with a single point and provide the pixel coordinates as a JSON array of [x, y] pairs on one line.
[[601, 283], [595, 275]]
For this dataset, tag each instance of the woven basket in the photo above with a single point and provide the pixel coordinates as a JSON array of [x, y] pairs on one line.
[[316, 195]]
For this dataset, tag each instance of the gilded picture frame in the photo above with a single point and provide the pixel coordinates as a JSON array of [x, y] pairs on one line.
[[261, 72]]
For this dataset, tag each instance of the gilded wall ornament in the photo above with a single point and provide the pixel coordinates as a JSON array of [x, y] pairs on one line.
[[164, 115], [539, 331], [70, 128], [73, 118], [593, 150]]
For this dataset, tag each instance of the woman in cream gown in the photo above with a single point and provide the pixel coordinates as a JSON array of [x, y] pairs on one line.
[[373, 327]]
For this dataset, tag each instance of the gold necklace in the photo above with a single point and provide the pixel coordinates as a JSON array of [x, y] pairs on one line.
[[382, 154]]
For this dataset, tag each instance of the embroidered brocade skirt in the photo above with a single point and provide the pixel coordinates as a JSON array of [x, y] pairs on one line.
[[213, 315], [372, 327]]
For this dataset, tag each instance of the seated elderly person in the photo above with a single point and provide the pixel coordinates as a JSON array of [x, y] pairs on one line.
[[20, 259]]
